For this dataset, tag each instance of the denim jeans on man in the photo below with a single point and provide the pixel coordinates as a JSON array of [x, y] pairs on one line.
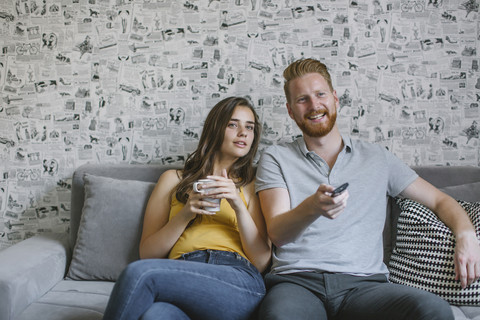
[[206, 284]]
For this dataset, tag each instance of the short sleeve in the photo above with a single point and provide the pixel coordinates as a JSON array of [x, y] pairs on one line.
[[269, 172], [400, 174]]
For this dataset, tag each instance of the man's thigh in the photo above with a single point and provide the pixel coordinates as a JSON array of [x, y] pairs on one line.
[[289, 301], [383, 300]]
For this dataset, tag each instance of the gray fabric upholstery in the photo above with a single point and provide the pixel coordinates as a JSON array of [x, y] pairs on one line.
[[71, 300], [29, 269], [110, 227], [32, 283], [466, 313], [149, 173], [467, 192]]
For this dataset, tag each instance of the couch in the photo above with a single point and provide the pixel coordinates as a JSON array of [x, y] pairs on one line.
[[57, 276]]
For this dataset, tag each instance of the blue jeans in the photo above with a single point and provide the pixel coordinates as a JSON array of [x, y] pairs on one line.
[[321, 296], [200, 285]]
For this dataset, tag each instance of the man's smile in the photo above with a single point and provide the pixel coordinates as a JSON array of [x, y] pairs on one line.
[[316, 115]]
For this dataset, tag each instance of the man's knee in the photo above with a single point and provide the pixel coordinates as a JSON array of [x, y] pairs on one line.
[[427, 306]]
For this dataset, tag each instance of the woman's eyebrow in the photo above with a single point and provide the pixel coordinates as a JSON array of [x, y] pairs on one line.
[[238, 120]]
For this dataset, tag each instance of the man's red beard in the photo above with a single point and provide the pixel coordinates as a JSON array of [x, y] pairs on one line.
[[317, 130]]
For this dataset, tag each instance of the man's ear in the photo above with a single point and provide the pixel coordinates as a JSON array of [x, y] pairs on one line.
[[289, 109], [335, 97]]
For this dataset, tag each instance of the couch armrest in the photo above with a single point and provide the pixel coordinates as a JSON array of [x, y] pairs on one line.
[[29, 269]]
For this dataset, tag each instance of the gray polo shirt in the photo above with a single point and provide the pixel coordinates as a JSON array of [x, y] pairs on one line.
[[353, 242]]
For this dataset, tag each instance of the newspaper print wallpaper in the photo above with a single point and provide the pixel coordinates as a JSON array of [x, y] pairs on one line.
[[108, 81]]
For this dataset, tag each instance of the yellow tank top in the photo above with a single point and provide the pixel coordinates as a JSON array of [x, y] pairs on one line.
[[215, 232]]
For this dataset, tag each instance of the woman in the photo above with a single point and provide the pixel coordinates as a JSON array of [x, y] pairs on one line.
[[214, 258]]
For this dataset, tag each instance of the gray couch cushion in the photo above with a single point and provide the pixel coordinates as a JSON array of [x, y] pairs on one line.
[[466, 192], [110, 227], [71, 300], [137, 172], [466, 313]]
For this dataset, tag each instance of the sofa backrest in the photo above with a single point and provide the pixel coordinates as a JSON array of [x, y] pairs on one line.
[[440, 177]]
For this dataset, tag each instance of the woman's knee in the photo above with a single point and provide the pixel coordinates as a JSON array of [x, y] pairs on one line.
[[164, 310], [133, 270], [136, 273]]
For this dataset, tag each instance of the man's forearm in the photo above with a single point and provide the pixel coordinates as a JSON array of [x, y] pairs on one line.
[[454, 216], [288, 226]]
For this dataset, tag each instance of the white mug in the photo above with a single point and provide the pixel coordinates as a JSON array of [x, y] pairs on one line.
[[214, 200]]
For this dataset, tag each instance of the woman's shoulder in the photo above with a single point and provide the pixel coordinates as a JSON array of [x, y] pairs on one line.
[[170, 177], [172, 174]]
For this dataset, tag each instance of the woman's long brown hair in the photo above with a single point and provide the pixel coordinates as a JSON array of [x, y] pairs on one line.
[[200, 163]]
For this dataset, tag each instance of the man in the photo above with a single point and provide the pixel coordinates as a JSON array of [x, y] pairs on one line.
[[328, 257]]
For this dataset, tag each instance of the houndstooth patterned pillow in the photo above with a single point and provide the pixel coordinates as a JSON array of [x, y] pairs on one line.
[[423, 254]]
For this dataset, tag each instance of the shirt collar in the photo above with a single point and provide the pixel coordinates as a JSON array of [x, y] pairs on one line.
[[347, 142]]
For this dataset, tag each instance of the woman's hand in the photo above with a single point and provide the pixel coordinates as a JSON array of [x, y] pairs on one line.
[[196, 205], [225, 188]]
